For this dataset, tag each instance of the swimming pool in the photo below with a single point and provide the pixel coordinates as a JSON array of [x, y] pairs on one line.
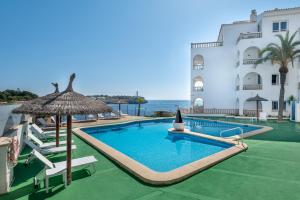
[[215, 128], [156, 156], [153, 146]]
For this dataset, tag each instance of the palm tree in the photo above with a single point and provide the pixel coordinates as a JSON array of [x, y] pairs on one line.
[[282, 54], [139, 100]]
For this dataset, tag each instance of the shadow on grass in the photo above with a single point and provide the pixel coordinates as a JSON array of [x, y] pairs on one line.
[[55, 186]]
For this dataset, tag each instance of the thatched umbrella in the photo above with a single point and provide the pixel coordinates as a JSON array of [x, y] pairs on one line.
[[36, 105], [257, 99], [70, 103]]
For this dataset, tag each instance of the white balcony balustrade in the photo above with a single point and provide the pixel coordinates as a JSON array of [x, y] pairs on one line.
[[249, 36], [206, 45], [250, 61], [198, 89], [198, 67]]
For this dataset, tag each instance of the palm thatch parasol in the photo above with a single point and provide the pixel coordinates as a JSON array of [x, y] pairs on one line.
[[35, 105], [70, 103], [257, 99]]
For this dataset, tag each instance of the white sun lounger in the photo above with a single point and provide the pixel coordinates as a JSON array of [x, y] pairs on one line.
[[42, 144], [43, 122], [52, 150], [54, 169], [100, 116], [45, 134], [110, 115]]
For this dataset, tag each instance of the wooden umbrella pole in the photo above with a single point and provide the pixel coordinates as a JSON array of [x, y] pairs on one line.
[[257, 110], [57, 130], [69, 148]]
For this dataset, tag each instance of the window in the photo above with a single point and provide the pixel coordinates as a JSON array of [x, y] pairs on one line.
[[274, 105], [280, 26], [275, 79], [275, 26], [283, 26]]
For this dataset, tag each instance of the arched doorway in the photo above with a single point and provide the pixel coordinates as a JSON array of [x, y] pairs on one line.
[[252, 81]]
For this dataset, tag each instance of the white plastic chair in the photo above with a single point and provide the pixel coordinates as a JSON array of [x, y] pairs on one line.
[[54, 169], [42, 144], [45, 134], [46, 151], [263, 116], [44, 123]]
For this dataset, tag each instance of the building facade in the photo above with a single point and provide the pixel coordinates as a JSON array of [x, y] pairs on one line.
[[224, 74]]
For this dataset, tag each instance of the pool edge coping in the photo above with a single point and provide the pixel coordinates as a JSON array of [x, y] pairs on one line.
[[163, 178]]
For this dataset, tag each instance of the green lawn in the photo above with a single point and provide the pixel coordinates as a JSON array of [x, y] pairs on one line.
[[270, 169]]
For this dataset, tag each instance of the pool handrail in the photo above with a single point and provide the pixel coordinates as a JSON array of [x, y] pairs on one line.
[[239, 128]]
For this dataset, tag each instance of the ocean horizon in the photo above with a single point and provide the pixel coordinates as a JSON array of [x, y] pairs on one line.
[[152, 106]]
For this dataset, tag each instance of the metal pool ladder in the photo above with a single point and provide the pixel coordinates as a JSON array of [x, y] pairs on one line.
[[231, 129]]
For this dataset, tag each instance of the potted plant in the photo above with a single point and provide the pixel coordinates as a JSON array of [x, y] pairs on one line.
[[178, 124]]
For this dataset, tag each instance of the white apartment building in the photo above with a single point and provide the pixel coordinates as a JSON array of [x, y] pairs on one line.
[[223, 73]]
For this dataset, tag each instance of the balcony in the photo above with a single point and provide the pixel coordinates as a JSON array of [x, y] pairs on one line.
[[252, 87], [250, 61], [249, 36], [237, 64], [206, 45], [198, 89], [198, 67], [237, 87]]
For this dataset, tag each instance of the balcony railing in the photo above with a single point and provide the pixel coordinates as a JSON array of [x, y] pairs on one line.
[[198, 110], [252, 87], [237, 87], [250, 61], [237, 64], [198, 67], [206, 45], [198, 89], [249, 36], [251, 112]]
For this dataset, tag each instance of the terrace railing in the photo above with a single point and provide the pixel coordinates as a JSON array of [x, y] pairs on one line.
[[206, 45], [215, 111], [250, 112], [252, 87], [249, 36], [250, 61]]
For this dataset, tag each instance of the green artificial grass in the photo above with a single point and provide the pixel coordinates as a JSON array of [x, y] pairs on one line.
[[269, 169]]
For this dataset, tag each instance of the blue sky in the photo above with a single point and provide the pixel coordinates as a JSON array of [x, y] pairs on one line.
[[114, 47]]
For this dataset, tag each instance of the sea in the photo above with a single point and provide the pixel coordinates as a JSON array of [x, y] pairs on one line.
[[147, 109], [152, 106]]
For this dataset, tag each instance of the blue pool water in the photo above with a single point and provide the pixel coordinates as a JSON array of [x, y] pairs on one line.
[[215, 127], [150, 144]]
